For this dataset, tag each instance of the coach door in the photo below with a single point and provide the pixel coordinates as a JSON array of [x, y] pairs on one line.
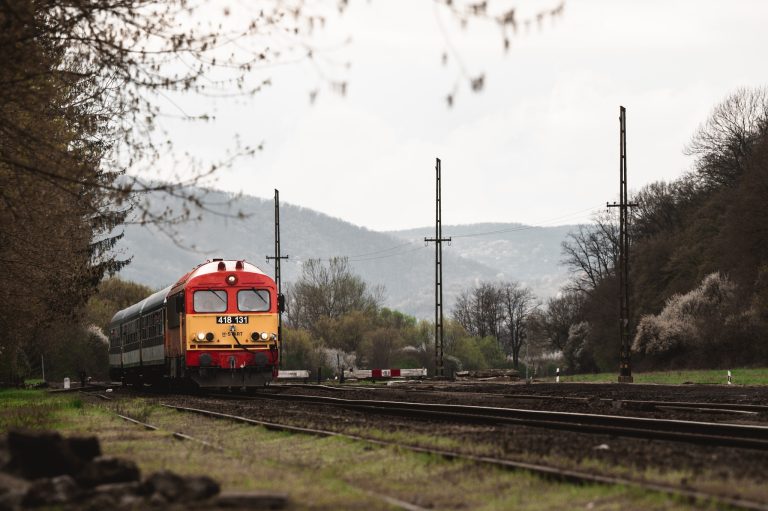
[[174, 311]]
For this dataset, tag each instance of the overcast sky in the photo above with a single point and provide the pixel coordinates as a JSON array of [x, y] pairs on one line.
[[538, 145]]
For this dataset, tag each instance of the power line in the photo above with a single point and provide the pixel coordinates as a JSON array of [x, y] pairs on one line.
[[379, 251], [386, 256]]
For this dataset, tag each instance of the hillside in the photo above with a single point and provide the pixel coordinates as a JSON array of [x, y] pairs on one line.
[[530, 255], [398, 261]]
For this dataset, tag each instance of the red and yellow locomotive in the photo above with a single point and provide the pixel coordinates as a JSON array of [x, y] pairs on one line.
[[216, 327]]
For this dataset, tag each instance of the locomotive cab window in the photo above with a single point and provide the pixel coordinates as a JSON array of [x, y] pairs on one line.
[[253, 300], [210, 300]]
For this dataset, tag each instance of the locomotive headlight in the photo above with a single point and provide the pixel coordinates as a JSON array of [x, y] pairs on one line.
[[231, 279], [264, 336], [200, 336], [255, 336]]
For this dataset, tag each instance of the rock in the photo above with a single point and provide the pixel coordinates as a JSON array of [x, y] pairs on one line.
[[35, 454], [166, 484], [131, 502], [5, 456], [157, 500], [100, 502], [58, 490], [9, 483], [251, 500], [12, 491], [11, 501], [175, 488], [201, 487], [85, 447], [106, 470], [119, 490], [40, 454]]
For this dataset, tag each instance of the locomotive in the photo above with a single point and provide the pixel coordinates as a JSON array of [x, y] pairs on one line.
[[216, 327]]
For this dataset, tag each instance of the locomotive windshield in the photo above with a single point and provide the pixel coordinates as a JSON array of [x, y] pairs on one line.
[[253, 300], [210, 300]]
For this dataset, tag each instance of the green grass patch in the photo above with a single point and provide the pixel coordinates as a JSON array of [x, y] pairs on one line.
[[757, 376], [34, 409]]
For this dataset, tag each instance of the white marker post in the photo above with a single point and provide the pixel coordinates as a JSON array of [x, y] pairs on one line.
[[557, 375], [730, 378], [66, 383]]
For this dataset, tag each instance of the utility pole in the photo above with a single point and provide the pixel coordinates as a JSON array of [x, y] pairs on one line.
[[278, 279], [438, 239], [625, 360]]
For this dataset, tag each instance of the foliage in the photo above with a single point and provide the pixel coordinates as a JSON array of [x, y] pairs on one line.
[[591, 252], [479, 310], [325, 293], [111, 296], [698, 253], [578, 350], [699, 326], [56, 207], [482, 353], [559, 314], [299, 352], [500, 311], [724, 144]]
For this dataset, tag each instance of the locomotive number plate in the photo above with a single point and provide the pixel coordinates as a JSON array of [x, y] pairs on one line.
[[232, 320]]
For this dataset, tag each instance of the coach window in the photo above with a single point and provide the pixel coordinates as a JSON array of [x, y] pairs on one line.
[[253, 300], [210, 300]]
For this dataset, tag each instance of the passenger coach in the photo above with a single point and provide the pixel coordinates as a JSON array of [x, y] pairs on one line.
[[216, 327]]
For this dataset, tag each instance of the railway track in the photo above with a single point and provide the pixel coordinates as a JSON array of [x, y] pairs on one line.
[[745, 409], [549, 472], [708, 433]]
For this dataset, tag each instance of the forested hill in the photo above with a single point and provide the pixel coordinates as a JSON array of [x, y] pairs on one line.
[[699, 258], [398, 261]]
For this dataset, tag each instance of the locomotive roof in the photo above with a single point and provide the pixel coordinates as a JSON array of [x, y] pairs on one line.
[[213, 267]]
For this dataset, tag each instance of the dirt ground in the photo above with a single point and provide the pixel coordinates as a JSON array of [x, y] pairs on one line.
[[733, 471]]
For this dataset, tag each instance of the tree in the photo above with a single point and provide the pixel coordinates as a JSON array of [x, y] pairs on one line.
[[560, 314], [663, 206], [724, 143], [579, 349], [328, 292], [112, 295], [479, 310], [696, 327], [591, 253], [518, 303], [500, 311], [55, 219]]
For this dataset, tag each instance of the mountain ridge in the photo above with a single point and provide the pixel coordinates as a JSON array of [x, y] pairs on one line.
[[397, 260]]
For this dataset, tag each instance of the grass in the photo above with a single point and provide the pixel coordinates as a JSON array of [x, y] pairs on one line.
[[35, 409], [758, 376], [317, 473]]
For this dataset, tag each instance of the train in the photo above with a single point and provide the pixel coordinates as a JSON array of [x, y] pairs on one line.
[[216, 327]]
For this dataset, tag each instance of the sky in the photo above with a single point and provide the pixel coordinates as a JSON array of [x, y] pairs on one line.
[[537, 145]]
